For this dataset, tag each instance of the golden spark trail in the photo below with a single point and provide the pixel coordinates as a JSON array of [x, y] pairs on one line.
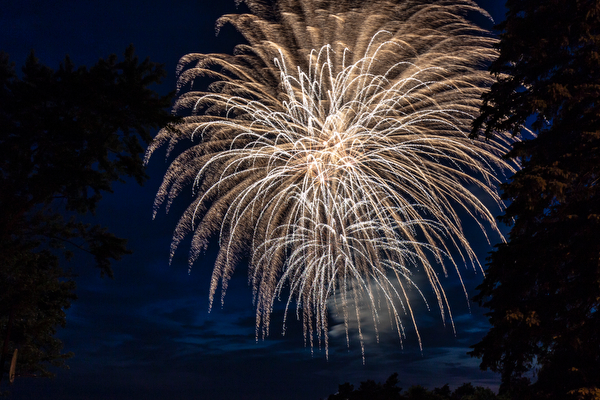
[[333, 150]]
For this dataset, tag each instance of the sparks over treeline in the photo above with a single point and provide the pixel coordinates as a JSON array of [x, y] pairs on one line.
[[332, 150]]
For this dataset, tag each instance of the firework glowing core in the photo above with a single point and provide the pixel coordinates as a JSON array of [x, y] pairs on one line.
[[333, 151]]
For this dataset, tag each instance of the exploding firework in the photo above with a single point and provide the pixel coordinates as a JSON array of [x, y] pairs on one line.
[[332, 150]]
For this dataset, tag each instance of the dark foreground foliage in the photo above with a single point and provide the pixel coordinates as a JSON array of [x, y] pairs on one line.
[[542, 287], [369, 390], [65, 137]]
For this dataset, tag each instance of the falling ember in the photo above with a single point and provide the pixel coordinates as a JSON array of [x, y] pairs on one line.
[[333, 151]]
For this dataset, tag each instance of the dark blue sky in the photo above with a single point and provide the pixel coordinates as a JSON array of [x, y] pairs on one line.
[[146, 334]]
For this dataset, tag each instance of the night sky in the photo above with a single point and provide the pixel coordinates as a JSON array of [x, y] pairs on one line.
[[147, 333]]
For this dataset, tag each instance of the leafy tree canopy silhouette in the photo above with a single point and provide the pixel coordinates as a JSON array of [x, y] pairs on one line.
[[542, 287], [65, 137], [369, 390]]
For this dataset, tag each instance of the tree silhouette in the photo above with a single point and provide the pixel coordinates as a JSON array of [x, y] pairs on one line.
[[369, 390], [65, 137], [542, 287]]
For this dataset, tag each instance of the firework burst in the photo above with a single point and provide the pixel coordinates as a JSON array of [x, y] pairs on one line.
[[333, 151]]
